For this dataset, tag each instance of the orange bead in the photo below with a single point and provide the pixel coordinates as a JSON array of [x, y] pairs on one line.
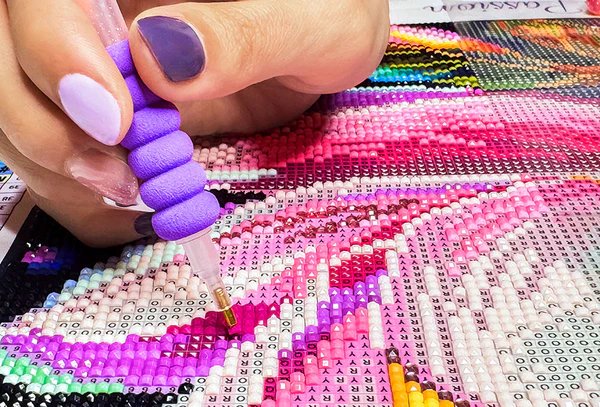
[[430, 394], [412, 386]]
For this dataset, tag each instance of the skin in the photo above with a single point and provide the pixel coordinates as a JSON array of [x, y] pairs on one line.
[[267, 62]]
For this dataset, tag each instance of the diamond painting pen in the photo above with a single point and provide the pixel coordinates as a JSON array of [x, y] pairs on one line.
[[161, 157]]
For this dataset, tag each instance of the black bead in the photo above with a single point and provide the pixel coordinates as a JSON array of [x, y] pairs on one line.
[[157, 399], [185, 388], [75, 398], [90, 397], [59, 398]]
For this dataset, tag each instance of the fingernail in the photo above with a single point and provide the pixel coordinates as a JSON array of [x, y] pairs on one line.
[[143, 224], [93, 108], [104, 174], [175, 46]]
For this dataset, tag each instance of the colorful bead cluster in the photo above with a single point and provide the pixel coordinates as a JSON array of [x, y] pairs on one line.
[[411, 242]]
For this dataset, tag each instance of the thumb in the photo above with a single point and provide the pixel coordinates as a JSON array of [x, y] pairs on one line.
[[193, 51]]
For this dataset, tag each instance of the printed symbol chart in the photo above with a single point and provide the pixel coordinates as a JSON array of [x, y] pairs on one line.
[[428, 238], [11, 191]]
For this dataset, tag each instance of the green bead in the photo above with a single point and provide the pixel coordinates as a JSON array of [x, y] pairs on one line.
[[32, 370], [26, 378], [39, 378], [3, 354], [62, 388], [8, 362], [65, 378], [116, 388], [75, 387], [18, 370], [22, 362], [11, 378], [46, 369], [5, 370], [89, 388], [102, 387], [50, 388], [34, 388], [53, 379]]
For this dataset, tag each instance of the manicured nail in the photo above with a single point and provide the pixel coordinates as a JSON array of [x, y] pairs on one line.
[[175, 46], [143, 224], [94, 109], [104, 174]]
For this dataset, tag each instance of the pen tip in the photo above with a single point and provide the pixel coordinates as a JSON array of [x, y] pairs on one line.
[[230, 317]]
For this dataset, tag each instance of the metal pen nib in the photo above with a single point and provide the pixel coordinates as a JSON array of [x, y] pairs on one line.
[[204, 260], [222, 299]]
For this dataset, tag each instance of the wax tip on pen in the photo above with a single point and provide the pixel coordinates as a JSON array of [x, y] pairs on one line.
[[230, 318]]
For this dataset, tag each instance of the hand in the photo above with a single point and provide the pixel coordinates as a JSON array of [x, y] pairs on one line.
[[241, 66]]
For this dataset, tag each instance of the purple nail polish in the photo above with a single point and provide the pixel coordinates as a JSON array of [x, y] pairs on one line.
[[143, 226], [175, 45]]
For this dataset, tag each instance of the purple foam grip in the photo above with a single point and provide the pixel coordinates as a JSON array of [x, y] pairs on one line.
[[151, 123], [187, 217], [173, 187], [122, 56], [161, 156], [140, 94]]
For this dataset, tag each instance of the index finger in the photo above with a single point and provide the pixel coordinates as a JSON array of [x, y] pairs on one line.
[[59, 49]]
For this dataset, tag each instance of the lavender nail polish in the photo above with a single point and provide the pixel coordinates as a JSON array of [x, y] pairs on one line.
[[175, 46], [93, 108]]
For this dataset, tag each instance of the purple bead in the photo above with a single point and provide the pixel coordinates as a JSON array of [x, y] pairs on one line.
[[312, 334], [189, 371], [95, 371], [114, 346], [178, 361], [137, 371], [162, 370], [108, 371], [375, 298], [298, 345], [217, 361], [322, 313], [324, 326], [180, 338], [362, 301], [131, 380], [159, 380], [202, 370], [122, 370], [145, 380], [205, 356]]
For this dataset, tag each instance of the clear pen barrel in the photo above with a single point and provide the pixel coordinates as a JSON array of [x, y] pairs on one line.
[[107, 19]]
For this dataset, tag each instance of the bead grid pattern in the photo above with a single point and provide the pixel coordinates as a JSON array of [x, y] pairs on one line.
[[429, 238]]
